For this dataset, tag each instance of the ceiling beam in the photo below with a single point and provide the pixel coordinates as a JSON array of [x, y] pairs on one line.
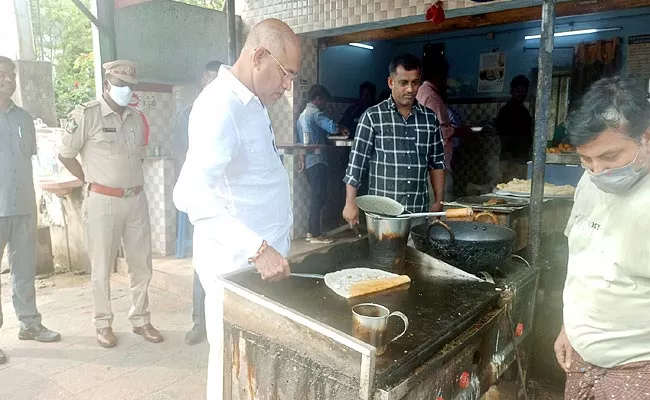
[[563, 9]]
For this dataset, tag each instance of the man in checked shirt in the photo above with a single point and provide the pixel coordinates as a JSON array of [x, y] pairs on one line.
[[400, 141]]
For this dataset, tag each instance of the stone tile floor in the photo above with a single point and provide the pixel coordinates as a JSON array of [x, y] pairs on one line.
[[77, 368]]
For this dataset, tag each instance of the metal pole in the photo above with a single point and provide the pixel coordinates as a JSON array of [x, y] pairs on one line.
[[232, 32], [542, 115], [24, 30], [85, 11]]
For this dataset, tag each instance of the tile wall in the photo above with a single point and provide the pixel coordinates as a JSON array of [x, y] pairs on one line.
[[158, 104], [312, 15], [283, 114]]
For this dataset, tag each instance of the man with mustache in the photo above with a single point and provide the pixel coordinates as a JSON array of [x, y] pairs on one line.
[[18, 208], [400, 142]]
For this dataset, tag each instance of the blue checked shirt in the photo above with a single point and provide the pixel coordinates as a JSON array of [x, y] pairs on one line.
[[399, 152], [313, 127]]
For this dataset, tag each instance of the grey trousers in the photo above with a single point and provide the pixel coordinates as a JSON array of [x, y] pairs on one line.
[[19, 234], [198, 302]]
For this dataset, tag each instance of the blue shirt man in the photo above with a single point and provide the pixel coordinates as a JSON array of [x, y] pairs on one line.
[[313, 128]]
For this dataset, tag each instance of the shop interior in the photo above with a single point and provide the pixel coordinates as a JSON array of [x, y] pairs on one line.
[[586, 48]]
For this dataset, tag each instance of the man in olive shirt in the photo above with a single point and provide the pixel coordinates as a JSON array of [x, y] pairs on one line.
[[604, 345], [18, 208]]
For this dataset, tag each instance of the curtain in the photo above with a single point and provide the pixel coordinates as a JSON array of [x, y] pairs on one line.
[[593, 61]]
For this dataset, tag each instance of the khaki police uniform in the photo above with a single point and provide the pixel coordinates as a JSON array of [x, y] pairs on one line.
[[111, 149]]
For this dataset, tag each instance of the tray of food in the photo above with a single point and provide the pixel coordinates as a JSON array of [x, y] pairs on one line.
[[522, 188], [562, 154], [489, 201]]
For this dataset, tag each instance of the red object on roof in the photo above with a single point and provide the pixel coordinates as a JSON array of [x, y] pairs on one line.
[[436, 13]]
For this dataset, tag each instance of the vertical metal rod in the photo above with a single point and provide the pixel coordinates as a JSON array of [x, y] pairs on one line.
[[542, 115], [106, 19], [232, 32]]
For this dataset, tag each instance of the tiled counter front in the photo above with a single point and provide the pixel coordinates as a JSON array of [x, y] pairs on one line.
[[159, 176]]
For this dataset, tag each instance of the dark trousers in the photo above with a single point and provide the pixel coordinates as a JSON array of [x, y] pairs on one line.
[[317, 175], [19, 232], [198, 302]]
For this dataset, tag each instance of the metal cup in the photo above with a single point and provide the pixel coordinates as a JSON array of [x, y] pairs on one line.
[[387, 239], [370, 324]]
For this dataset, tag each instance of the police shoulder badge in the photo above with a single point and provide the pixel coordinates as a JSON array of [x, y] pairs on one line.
[[71, 126]]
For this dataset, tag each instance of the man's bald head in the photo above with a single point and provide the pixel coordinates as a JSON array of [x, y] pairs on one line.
[[270, 60], [273, 35]]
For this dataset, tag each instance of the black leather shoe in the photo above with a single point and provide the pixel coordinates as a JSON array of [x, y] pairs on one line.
[[3, 357], [39, 333], [195, 335]]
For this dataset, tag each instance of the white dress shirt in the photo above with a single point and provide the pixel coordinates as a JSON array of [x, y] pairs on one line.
[[607, 289], [232, 185]]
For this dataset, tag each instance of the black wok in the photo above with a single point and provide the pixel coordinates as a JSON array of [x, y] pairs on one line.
[[470, 246]]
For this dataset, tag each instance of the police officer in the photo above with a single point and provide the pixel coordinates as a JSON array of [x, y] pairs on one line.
[[18, 208], [109, 136]]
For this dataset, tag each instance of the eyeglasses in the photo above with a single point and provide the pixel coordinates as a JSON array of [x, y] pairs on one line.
[[287, 74]]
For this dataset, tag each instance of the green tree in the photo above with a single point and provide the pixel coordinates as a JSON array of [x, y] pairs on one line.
[[63, 36]]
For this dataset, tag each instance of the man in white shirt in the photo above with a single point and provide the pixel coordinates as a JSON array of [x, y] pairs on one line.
[[233, 185], [604, 345]]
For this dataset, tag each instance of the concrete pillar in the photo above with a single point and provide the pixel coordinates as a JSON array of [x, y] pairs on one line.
[[24, 30], [35, 91]]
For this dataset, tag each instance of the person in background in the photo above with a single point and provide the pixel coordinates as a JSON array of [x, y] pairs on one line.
[[604, 342], [233, 185], [210, 71], [197, 334], [384, 95], [109, 136], [400, 143], [431, 95], [313, 127], [454, 118], [514, 126], [18, 208], [351, 116]]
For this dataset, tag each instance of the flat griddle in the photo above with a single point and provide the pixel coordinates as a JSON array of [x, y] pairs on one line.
[[438, 308]]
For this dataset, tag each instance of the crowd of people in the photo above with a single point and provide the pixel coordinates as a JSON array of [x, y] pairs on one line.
[[235, 190]]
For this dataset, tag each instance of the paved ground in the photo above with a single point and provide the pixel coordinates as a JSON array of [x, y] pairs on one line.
[[77, 368]]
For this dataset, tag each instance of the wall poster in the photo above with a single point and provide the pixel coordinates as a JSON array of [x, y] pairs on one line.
[[491, 72], [638, 56]]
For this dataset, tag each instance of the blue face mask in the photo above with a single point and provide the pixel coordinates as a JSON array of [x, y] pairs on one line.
[[619, 180]]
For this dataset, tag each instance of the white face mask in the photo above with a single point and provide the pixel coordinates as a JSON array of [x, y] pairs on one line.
[[619, 180], [121, 95]]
